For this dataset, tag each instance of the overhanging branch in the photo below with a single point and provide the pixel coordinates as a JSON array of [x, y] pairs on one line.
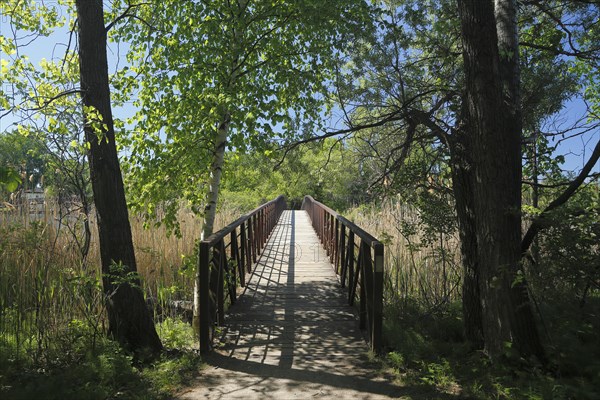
[[537, 223]]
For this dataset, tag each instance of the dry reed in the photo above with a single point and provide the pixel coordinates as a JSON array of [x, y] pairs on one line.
[[50, 295], [418, 272]]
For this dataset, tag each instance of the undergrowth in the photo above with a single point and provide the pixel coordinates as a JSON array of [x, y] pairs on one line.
[[101, 370], [428, 350], [53, 326]]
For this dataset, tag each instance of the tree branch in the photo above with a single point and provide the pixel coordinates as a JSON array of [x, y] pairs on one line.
[[394, 116], [45, 103], [126, 15], [537, 223]]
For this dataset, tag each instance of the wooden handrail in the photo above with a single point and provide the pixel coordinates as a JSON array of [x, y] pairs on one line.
[[219, 269], [362, 273]]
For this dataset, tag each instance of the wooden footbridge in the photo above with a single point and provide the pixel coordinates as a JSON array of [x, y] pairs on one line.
[[291, 300]]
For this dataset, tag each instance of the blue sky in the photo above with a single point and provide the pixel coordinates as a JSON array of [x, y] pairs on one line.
[[575, 150]]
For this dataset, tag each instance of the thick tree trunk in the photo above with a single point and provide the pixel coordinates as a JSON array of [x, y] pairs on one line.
[[210, 209], [495, 135], [523, 328], [462, 184], [129, 320]]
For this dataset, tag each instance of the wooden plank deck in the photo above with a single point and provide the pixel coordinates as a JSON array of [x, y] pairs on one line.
[[291, 334]]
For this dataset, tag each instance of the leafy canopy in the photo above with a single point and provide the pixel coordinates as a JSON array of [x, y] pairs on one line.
[[262, 65]]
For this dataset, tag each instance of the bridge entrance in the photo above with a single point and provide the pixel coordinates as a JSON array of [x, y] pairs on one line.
[[291, 328]]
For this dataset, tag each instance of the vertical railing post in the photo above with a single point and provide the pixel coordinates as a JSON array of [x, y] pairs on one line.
[[349, 270], [246, 253], [257, 232], [220, 280], [336, 248], [251, 237], [263, 217], [321, 225], [235, 255], [377, 329], [204, 297], [260, 230], [342, 250], [362, 313], [331, 238]]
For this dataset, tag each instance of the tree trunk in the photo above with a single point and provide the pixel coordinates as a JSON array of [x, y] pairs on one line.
[[495, 135], [524, 330], [462, 185], [210, 210], [129, 320]]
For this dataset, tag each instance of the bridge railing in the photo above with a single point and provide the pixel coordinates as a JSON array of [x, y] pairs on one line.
[[358, 260], [227, 256]]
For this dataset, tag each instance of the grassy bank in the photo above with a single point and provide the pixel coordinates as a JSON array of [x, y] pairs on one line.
[[52, 319], [423, 330]]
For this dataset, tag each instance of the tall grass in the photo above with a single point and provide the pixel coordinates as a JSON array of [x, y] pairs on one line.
[[51, 297], [421, 268]]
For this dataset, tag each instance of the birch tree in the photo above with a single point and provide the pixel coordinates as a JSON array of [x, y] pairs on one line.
[[216, 75]]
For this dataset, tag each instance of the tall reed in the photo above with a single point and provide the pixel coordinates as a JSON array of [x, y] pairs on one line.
[[51, 296], [421, 268]]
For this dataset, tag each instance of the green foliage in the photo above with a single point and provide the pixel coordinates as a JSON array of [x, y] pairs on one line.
[[426, 349], [105, 371], [40, 99], [260, 68], [39, 84], [327, 171], [52, 323], [171, 373], [174, 333], [23, 158], [121, 274], [9, 179], [565, 258]]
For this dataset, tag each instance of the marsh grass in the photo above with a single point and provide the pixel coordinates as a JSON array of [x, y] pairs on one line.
[[421, 267], [51, 301], [53, 325], [423, 328]]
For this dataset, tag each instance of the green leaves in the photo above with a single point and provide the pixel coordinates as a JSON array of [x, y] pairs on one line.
[[264, 65], [9, 179], [93, 119]]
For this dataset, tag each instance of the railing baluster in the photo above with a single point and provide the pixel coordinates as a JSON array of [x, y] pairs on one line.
[[205, 319], [252, 248], [336, 249], [377, 298], [219, 283], [245, 254], [363, 288], [349, 268], [367, 287], [342, 251], [355, 274]]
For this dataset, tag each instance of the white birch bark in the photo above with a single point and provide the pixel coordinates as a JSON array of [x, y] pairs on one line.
[[216, 171]]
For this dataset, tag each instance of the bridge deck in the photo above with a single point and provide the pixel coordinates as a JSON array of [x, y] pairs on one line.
[[291, 334]]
